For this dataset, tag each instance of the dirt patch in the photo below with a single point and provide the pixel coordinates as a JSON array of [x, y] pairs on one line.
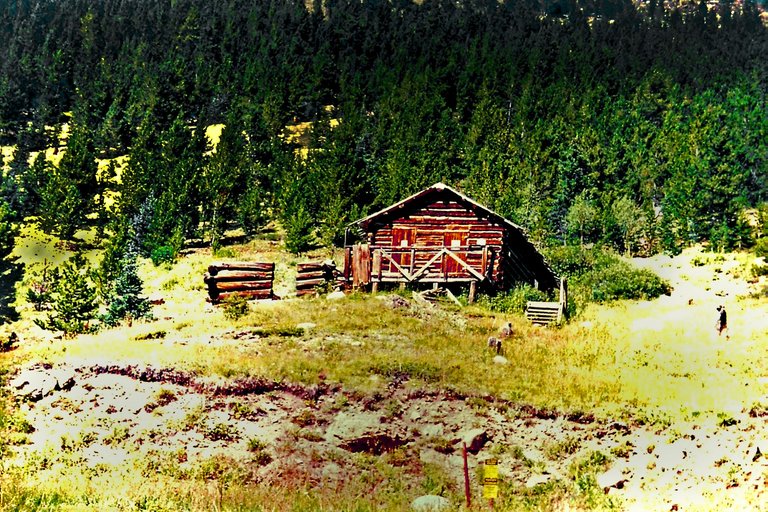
[[110, 414]]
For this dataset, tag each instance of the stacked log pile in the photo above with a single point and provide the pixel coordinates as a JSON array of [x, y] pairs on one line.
[[317, 275], [247, 279]]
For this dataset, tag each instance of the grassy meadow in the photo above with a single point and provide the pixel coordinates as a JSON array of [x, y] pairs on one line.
[[642, 362]]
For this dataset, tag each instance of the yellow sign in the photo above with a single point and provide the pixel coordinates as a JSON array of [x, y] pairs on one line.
[[491, 478]]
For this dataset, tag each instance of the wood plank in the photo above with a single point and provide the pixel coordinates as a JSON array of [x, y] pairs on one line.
[[310, 283], [453, 297], [244, 286], [228, 277], [241, 265], [438, 279], [347, 263], [361, 270]]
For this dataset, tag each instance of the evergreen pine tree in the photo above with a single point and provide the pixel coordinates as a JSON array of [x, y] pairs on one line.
[[68, 197], [8, 229], [127, 302], [74, 299]]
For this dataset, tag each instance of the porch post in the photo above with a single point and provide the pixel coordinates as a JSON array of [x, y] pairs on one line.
[[472, 291]]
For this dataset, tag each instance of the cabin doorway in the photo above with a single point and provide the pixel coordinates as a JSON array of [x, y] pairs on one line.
[[454, 241], [402, 246]]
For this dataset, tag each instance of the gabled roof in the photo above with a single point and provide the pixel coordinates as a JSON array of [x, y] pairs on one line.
[[529, 264], [384, 215]]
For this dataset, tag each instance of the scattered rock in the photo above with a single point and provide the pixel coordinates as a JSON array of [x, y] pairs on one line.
[[335, 296], [399, 302], [430, 503], [500, 360], [306, 326], [475, 439], [535, 480], [36, 383], [374, 443], [611, 478], [156, 299]]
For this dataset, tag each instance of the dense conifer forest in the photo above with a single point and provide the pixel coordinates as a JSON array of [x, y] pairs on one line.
[[641, 127]]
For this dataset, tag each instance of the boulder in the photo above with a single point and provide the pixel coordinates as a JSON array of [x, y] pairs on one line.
[[375, 443], [500, 360], [430, 503], [65, 377], [34, 385], [614, 477], [335, 296], [535, 480], [475, 439], [306, 326]]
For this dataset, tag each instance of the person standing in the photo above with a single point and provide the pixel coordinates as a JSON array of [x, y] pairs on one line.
[[722, 322]]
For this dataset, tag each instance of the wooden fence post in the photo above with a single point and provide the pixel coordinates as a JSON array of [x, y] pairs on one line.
[[376, 277]]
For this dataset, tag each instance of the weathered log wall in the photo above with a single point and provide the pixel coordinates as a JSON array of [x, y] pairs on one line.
[[441, 224], [313, 275], [252, 280]]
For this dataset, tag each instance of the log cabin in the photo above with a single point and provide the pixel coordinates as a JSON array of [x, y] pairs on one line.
[[441, 236]]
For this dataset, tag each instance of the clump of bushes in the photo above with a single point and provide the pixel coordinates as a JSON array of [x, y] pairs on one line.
[[164, 254], [761, 247], [515, 300], [235, 307], [597, 275]]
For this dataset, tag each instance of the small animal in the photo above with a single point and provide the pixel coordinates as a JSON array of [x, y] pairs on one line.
[[506, 330], [494, 343]]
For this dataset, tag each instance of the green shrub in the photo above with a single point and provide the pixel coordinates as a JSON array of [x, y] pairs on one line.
[[8, 343], [596, 275], [73, 299], [225, 252], [235, 307], [759, 270], [162, 254], [126, 303], [153, 335], [621, 281], [513, 301], [761, 247]]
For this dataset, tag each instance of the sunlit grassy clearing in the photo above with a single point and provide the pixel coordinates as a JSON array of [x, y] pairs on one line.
[[659, 357], [641, 358], [669, 357]]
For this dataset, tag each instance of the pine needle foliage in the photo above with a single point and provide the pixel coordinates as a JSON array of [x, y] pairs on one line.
[[127, 302], [73, 299]]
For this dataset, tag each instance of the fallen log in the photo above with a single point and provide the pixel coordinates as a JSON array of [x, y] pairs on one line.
[[310, 267], [313, 274]]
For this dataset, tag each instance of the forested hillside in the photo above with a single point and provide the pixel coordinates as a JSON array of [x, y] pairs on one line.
[[644, 128]]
